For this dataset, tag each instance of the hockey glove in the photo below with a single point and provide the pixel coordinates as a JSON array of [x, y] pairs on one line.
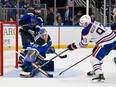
[[72, 46], [37, 29]]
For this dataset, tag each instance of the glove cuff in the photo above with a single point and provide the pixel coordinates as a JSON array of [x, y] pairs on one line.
[[73, 46]]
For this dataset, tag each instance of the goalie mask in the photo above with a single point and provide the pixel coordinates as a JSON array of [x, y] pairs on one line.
[[43, 34], [85, 20]]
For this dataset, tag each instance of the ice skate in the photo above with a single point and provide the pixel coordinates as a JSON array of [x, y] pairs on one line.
[[91, 74], [98, 78], [114, 60], [25, 74]]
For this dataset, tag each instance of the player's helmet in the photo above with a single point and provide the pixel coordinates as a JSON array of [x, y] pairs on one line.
[[42, 31], [85, 19]]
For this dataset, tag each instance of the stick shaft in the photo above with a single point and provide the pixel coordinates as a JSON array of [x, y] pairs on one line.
[[53, 58], [74, 64], [64, 56]]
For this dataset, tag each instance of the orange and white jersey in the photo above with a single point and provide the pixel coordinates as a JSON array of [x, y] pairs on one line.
[[97, 33]]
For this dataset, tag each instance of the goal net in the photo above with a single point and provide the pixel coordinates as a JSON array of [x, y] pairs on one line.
[[8, 46]]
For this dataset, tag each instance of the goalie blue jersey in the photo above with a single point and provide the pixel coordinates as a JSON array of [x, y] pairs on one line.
[[35, 50]]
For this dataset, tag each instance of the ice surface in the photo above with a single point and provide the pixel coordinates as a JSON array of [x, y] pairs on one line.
[[74, 77]]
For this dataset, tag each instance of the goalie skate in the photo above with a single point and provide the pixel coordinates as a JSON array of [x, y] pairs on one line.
[[25, 74], [98, 78]]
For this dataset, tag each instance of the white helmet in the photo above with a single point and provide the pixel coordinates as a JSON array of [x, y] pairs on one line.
[[85, 19]]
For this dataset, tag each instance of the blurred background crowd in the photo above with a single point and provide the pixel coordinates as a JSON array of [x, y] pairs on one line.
[[60, 12]]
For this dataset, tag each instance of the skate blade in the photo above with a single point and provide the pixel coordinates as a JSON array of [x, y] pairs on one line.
[[98, 81], [25, 76], [92, 76]]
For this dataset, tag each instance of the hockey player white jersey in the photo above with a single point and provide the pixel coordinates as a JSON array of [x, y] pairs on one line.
[[97, 33], [105, 40]]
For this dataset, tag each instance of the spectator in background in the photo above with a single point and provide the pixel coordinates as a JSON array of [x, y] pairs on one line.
[[11, 20], [114, 12], [59, 21], [56, 14], [8, 11], [92, 17], [25, 4], [7, 5], [50, 17], [77, 17], [67, 18], [1, 5]]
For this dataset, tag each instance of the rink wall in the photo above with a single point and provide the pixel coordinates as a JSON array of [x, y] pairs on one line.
[[61, 36]]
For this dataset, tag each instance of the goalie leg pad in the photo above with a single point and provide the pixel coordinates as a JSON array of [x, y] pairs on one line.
[[49, 66], [28, 74]]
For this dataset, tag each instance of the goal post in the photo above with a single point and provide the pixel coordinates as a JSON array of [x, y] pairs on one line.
[[2, 30]]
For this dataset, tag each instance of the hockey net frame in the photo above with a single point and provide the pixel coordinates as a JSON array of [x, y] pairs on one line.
[[2, 46]]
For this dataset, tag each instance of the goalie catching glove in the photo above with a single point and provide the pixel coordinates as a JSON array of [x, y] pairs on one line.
[[72, 46]]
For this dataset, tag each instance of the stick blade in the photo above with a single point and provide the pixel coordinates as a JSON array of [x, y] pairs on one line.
[[64, 56]]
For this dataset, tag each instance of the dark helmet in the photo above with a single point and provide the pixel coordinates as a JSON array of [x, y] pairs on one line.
[[36, 7]]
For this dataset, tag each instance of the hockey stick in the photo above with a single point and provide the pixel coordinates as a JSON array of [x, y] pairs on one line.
[[39, 67], [49, 60], [74, 64], [64, 56]]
